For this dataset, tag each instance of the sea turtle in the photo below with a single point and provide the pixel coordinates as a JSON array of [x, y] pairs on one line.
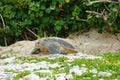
[[53, 45]]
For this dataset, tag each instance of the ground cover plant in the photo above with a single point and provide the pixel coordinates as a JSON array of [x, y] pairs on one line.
[[61, 67]]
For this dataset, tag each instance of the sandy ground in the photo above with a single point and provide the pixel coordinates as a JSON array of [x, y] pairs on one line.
[[95, 43], [88, 42]]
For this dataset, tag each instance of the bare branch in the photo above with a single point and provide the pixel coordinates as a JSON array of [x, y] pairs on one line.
[[107, 7], [101, 1], [84, 20], [93, 12], [4, 27], [2, 20], [102, 15], [105, 15]]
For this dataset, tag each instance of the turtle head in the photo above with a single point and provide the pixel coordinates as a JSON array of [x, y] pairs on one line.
[[36, 49]]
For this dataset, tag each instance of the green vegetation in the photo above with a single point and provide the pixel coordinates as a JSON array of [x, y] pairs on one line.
[[21, 74], [108, 63], [54, 18]]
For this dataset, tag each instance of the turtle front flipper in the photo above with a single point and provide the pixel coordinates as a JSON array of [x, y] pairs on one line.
[[36, 51], [54, 48]]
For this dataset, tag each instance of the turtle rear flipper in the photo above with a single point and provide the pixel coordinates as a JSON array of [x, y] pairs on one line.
[[69, 50]]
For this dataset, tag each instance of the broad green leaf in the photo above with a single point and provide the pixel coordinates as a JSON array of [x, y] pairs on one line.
[[53, 5], [45, 19], [48, 10], [62, 2], [43, 7], [41, 14], [58, 28]]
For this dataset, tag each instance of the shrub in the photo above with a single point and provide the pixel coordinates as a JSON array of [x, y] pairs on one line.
[[50, 17]]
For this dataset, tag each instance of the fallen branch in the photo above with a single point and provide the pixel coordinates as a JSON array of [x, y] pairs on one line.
[[33, 33]]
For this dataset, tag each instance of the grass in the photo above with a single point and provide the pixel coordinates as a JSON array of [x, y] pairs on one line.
[[110, 62]]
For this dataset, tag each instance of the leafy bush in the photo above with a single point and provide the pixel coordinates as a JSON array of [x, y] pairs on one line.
[[50, 17]]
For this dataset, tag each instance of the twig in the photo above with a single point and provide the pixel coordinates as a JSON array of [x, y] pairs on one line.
[[84, 20], [25, 36], [33, 33], [101, 1], [4, 27], [93, 12], [107, 7]]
